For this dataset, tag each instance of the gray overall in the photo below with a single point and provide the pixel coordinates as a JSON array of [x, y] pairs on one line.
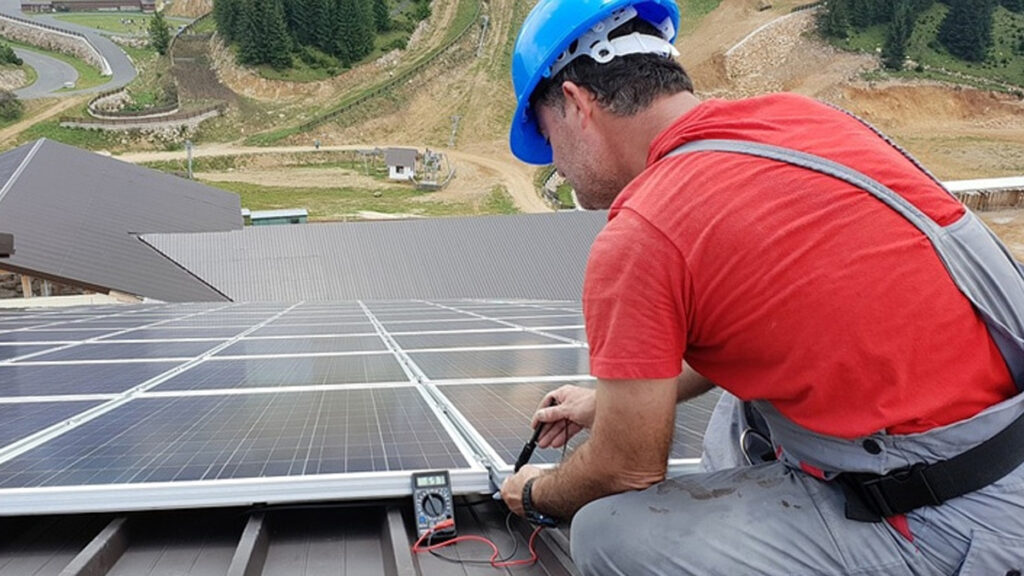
[[786, 517]]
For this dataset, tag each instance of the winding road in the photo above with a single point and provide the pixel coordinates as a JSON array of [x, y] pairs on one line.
[[121, 66], [52, 74]]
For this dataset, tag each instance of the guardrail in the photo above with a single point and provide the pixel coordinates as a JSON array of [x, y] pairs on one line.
[[391, 82], [104, 66], [72, 122]]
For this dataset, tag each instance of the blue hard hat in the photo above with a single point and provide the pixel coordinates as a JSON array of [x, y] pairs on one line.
[[547, 32]]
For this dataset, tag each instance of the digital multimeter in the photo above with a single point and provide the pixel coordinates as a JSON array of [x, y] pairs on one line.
[[432, 503]]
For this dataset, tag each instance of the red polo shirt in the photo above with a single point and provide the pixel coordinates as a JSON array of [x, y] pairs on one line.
[[782, 284]]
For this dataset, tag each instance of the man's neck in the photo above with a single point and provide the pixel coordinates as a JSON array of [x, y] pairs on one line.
[[634, 134]]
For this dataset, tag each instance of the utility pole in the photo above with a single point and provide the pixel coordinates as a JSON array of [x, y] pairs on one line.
[[483, 34], [455, 129], [188, 152]]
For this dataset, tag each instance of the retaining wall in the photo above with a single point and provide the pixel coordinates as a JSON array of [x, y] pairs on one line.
[[54, 39]]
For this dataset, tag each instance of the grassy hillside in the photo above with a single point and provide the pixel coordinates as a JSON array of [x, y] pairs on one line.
[[1004, 64]]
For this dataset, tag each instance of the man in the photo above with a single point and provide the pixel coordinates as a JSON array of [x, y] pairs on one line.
[[869, 318]]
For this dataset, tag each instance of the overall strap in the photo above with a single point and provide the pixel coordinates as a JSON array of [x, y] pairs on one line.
[[977, 261]]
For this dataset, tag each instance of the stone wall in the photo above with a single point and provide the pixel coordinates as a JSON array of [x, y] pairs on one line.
[[12, 78], [53, 40], [145, 126]]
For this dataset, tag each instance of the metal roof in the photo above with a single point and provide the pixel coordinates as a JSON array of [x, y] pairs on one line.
[[400, 156], [285, 213], [528, 256], [75, 216]]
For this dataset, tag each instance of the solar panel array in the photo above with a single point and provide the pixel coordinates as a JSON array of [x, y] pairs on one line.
[[184, 399]]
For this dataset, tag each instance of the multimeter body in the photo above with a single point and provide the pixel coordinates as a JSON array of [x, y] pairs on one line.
[[432, 503]]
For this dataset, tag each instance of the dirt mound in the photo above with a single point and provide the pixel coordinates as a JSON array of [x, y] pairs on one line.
[[189, 8], [934, 106]]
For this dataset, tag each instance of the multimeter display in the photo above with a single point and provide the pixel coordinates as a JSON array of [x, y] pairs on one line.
[[431, 481], [432, 503]]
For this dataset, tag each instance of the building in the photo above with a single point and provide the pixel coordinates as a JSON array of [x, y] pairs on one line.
[[274, 217], [401, 163], [77, 217]]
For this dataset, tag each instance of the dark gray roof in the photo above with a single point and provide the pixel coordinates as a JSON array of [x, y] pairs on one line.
[[534, 256], [74, 215], [400, 157]]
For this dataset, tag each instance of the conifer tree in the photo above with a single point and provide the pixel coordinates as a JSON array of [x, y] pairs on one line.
[[248, 30], [277, 42], [966, 31], [381, 15], [901, 26], [159, 36], [1014, 5], [324, 33], [226, 13], [835, 21]]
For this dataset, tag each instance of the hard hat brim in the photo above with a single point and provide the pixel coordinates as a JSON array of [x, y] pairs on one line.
[[525, 139]]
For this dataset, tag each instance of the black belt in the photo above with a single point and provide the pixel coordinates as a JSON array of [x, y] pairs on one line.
[[872, 497]]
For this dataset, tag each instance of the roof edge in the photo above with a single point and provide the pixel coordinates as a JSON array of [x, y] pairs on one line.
[[140, 238]]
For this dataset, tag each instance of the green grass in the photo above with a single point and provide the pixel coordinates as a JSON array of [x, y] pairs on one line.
[[499, 201], [113, 22], [346, 203], [1002, 65], [88, 76], [564, 192], [205, 26], [78, 137], [692, 11], [30, 73]]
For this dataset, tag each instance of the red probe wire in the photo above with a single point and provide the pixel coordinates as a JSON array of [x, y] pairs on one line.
[[416, 548]]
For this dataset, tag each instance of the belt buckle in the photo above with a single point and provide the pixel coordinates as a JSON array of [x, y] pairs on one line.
[[910, 479]]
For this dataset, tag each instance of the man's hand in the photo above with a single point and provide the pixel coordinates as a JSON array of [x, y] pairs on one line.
[[512, 488], [564, 413]]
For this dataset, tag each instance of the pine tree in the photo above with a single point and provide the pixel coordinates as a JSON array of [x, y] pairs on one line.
[[227, 15], [901, 26], [343, 14], [382, 15], [324, 31], [862, 13], [159, 36], [248, 30], [362, 42], [835, 22], [277, 42], [966, 30], [1014, 5]]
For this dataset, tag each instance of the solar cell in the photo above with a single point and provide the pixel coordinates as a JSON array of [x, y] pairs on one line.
[[126, 350], [418, 326], [250, 436], [278, 372], [503, 363], [314, 329], [24, 419], [11, 351], [51, 335], [572, 320], [18, 380], [166, 333], [578, 334], [462, 339], [305, 346], [502, 414]]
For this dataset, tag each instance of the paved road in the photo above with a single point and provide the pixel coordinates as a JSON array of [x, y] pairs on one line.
[[123, 70], [52, 73]]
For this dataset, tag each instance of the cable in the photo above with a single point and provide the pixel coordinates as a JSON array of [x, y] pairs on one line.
[[511, 535], [493, 561]]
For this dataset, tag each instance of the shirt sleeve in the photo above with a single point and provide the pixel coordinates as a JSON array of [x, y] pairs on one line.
[[634, 302]]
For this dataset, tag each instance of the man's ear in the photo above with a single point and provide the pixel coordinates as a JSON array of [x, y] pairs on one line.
[[579, 100]]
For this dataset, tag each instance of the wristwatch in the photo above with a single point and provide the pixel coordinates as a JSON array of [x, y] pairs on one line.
[[533, 516]]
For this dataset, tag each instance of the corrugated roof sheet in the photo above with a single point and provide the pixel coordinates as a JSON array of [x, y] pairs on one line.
[[74, 215], [400, 156], [535, 256]]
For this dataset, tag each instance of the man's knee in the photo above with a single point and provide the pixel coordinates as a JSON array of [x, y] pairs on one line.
[[598, 543]]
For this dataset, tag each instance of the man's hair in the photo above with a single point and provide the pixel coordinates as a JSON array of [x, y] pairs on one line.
[[625, 85]]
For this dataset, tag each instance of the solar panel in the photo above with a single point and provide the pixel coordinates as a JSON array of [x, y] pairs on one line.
[[285, 372], [501, 413], [113, 351], [249, 436], [503, 363], [463, 339], [272, 402], [305, 346], [62, 379], [11, 351], [23, 419]]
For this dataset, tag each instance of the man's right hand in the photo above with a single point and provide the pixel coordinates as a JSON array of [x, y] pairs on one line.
[[564, 413]]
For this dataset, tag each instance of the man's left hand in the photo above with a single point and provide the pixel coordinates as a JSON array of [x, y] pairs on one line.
[[512, 488]]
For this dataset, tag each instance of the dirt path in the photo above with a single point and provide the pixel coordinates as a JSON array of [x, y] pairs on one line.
[[59, 106], [516, 177]]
